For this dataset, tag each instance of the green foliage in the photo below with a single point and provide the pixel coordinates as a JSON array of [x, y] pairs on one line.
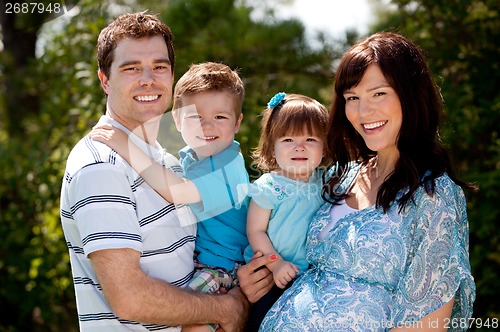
[[271, 55], [33, 257], [37, 289], [460, 39]]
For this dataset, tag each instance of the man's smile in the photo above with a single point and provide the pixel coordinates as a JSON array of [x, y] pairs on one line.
[[147, 98]]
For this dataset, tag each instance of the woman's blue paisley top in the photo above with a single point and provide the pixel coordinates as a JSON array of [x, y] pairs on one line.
[[376, 270]]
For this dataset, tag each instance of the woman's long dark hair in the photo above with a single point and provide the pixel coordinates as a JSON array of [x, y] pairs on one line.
[[405, 69]]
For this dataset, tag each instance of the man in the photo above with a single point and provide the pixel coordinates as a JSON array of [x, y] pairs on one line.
[[131, 253]]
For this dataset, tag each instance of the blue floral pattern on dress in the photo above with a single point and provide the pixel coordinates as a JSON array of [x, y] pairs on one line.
[[375, 271]]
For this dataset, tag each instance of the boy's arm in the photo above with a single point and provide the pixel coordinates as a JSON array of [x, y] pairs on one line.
[[163, 180]]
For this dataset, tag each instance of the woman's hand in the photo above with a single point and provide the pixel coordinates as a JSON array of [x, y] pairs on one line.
[[255, 278]]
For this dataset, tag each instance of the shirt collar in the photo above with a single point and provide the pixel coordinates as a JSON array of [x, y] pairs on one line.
[[152, 151]]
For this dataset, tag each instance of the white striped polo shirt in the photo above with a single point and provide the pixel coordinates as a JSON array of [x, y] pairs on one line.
[[105, 204]]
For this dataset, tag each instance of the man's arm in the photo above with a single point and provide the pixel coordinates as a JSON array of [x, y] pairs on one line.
[[135, 296]]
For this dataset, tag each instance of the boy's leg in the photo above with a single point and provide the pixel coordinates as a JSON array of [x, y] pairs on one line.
[[205, 280], [209, 280]]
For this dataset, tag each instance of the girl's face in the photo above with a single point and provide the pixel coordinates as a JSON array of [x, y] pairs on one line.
[[374, 110], [298, 155]]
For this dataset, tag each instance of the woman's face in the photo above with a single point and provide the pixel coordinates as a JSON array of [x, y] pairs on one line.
[[374, 110]]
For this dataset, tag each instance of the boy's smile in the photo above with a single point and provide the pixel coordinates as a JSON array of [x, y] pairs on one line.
[[209, 122]]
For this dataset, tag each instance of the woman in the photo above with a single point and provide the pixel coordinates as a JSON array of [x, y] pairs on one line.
[[389, 248]]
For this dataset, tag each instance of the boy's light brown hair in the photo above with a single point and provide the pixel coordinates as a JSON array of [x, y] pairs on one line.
[[209, 77], [295, 115]]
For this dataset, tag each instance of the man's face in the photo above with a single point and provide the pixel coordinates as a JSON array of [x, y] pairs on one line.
[[139, 86]]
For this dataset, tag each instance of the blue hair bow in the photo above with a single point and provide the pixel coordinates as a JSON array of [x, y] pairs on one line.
[[278, 98]]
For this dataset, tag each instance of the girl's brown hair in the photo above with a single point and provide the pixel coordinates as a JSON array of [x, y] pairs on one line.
[[294, 115]]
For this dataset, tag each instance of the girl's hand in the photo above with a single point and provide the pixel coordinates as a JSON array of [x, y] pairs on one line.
[[284, 272], [111, 136]]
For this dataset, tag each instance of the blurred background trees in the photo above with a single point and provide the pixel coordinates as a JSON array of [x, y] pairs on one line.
[[50, 97]]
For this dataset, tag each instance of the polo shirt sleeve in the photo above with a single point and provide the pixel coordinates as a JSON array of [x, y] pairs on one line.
[[103, 208]]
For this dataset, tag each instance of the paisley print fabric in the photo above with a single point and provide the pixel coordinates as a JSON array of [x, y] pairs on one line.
[[376, 271]]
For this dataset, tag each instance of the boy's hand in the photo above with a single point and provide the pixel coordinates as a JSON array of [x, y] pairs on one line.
[[111, 136], [102, 132], [284, 272]]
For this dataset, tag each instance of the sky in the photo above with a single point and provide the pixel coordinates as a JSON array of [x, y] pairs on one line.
[[332, 16]]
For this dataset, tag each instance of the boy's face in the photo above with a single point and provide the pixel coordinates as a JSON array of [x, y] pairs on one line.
[[208, 122]]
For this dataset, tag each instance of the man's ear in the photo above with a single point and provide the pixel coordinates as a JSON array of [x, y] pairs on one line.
[[104, 80]]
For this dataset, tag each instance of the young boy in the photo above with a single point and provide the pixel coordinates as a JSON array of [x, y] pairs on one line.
[[207, 106], [208, 100]]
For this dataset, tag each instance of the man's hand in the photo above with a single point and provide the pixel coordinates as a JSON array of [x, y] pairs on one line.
[[237, 312], [255, 278]]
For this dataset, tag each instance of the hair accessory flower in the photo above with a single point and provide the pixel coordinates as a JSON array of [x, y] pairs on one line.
[[278, 98]]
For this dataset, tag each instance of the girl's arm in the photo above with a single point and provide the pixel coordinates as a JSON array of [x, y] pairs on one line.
[[163, 180], [257, 222]]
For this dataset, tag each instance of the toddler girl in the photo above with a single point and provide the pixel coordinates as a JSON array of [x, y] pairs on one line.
[[286, 196]]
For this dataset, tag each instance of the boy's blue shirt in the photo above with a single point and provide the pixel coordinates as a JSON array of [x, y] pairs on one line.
[[222, 215]]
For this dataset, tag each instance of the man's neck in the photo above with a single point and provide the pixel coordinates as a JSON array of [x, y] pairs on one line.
[[147, 131]]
